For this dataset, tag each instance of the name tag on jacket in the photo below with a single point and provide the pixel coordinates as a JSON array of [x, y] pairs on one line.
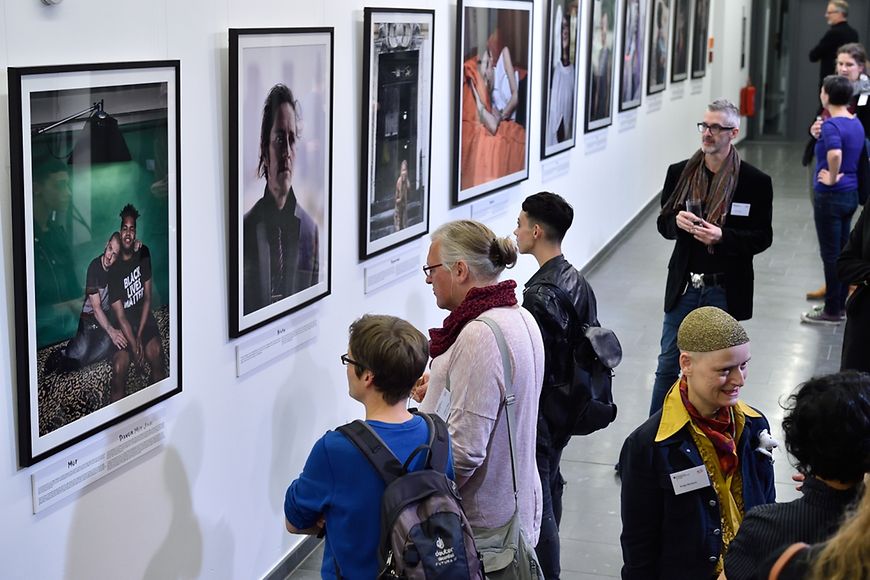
[[740, 209], [690, 479]]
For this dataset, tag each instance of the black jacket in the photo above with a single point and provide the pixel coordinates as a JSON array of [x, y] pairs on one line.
[[742, 238], [678, 537], [825, 52], [853, 267], [555, 322]]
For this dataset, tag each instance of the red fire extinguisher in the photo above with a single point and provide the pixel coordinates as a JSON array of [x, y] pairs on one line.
[[747, 100]]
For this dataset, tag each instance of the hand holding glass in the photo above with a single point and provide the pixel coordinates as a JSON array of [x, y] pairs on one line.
[[696, 207]]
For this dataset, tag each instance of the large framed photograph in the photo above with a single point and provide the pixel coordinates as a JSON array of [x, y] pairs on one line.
[[280, 103], [560, 78], [600, 65], [659, 27], [96, 225], [699, 38], [493, 76], [633, 46], [680, 55], [396, 128]]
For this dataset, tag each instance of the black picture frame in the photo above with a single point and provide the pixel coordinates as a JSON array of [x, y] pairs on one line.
[[599, 74], [700, 32], [680, 52], [396, 130], [86, 140], [277, 66], [560, 86], [491, 152], [633, 53], [659, 43]]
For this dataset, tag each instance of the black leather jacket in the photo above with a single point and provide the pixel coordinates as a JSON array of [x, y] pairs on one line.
[[553, 320]]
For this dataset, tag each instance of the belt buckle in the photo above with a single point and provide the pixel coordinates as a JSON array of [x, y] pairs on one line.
[[697, 280]]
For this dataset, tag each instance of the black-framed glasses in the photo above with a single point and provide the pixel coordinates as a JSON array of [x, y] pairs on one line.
[[427, 270], [715, 128], [346, 360]]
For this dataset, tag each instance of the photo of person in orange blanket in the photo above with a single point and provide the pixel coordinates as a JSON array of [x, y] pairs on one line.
[[493, 93]]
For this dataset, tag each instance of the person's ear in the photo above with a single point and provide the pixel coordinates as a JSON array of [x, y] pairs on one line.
[[460, 271], [686, 364], [537, 231]]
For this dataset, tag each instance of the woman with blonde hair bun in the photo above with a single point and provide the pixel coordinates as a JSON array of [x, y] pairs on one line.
[[467, 378]]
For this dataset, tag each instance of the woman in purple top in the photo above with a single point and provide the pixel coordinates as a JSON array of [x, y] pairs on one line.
[[838, 150]]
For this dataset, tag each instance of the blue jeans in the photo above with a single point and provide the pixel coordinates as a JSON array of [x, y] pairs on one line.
[[669, 360], [548, 455], [833, 216]]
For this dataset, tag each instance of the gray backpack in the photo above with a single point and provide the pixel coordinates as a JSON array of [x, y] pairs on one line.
[[424, 531]]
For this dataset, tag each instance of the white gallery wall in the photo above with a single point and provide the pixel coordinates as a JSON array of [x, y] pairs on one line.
[[209, 504]]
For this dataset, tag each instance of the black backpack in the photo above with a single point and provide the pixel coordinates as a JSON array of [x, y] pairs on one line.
[[584, 405], [424, 531]]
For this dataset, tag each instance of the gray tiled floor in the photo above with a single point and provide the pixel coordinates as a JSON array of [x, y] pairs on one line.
[[629, 286]]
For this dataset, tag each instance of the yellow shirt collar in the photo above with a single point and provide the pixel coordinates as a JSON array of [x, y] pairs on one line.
[[675, 415]]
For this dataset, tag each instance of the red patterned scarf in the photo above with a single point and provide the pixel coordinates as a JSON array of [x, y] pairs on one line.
[[476, 302], [719, 430]]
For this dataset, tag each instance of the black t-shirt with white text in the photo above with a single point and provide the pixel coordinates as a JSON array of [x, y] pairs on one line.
[[127, 281]]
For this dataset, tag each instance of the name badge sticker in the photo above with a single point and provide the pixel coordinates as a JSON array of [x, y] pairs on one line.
[[442, 407], [690, 479], [862, 100], [740, 209]]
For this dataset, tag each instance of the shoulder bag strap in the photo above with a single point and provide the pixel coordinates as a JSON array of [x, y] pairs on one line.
[[509, 395], [374, 449], [785, 558]]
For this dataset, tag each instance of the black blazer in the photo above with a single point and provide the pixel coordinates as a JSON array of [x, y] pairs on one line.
[[853, 267], [742, 238], [825, 52]]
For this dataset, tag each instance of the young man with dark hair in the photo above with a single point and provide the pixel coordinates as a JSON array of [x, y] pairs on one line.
[[541, 226], [130, 297], [339, 491]]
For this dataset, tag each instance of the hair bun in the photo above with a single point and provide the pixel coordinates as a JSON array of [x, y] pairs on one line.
[[503, 252]]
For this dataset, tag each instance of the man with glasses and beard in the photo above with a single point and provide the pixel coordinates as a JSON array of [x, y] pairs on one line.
[[130, 297], [719, 211]]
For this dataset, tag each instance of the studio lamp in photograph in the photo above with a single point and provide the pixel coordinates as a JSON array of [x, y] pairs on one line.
[[100, 140]]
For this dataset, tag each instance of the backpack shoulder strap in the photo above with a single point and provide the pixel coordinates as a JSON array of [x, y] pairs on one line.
[[439, 441], [374, 449]]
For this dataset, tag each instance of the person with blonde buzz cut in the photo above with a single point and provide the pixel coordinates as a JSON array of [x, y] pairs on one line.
[[693, 469]]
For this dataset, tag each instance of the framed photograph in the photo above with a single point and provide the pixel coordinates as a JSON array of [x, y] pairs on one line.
[[560, 78], [680, 56], [699, 38], [280, 103], [633, 46], [396, 128], [600, 65], [493, 76], [97, 246], [657, 70]]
